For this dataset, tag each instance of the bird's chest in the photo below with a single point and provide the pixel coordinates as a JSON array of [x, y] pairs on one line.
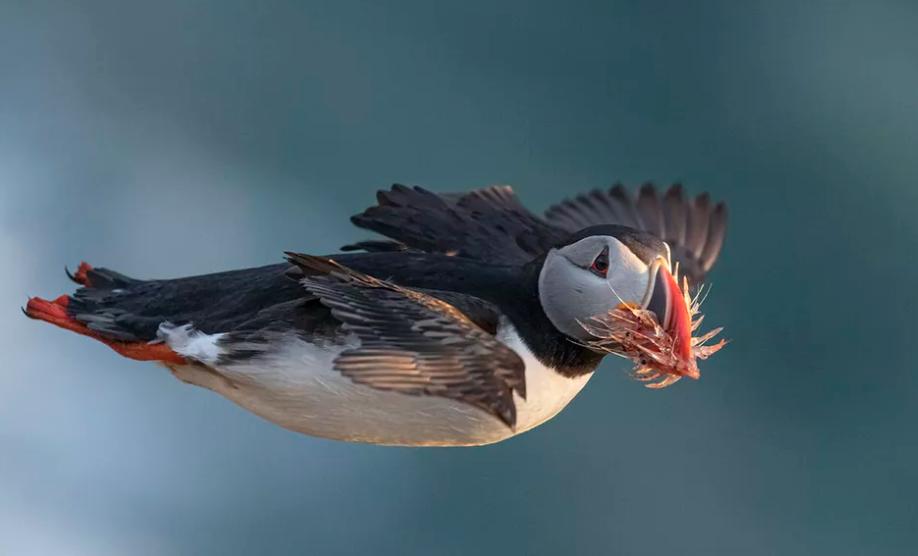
[[547, 391]]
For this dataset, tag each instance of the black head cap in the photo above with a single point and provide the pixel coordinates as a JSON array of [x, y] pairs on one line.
[[646, 246]]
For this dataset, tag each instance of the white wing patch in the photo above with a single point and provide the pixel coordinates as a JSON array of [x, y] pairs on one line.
[[191, 343]]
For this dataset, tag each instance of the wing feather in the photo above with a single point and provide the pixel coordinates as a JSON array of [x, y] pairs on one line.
[[693, 228], [414, 343], [492, 225], [486, 224], [674, 214]]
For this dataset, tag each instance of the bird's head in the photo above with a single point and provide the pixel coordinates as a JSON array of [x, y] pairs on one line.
[[612, 290]]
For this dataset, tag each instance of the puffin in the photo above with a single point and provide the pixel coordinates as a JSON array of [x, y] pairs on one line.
[[467, 325]]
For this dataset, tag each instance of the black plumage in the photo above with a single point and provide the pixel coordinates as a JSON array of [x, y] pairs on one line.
[[492, 225], [488, 225]]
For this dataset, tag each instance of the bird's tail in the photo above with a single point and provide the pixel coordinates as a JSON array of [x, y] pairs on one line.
[[71, 313]]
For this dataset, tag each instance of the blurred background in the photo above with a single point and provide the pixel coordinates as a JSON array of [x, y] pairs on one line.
[[174, 138]]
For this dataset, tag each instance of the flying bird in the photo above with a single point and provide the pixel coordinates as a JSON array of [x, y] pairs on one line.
[[474, 321]]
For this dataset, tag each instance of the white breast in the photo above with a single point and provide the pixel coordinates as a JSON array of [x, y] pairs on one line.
[[295, 385], [547, 392]]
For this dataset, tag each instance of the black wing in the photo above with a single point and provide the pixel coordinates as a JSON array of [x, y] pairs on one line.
[[414, 343], [486, 224], [693, 228], [491, 224]]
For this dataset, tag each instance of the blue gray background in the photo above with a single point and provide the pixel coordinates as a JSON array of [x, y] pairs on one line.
[[173, 138]]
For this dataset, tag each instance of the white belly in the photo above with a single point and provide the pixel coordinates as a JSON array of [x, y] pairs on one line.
[[297, 387]]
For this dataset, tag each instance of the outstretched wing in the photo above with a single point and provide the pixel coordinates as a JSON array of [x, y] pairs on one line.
[[491, 224], [693, 228], [486, 224], [414, 343]]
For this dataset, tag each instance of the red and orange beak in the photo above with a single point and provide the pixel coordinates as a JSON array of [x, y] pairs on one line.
[[671, 306]]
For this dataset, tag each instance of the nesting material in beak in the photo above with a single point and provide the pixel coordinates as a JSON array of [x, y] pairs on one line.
[[657, 338]]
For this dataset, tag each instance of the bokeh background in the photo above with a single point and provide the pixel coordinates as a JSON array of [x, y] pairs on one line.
[[173, 138]]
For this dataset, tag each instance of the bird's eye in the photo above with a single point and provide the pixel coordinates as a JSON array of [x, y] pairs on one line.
[[600, 266]]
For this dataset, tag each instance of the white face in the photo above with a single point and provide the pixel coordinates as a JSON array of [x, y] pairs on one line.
[[592, 277]]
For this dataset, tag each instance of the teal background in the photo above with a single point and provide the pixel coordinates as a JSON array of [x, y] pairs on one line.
[[172, 138]]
